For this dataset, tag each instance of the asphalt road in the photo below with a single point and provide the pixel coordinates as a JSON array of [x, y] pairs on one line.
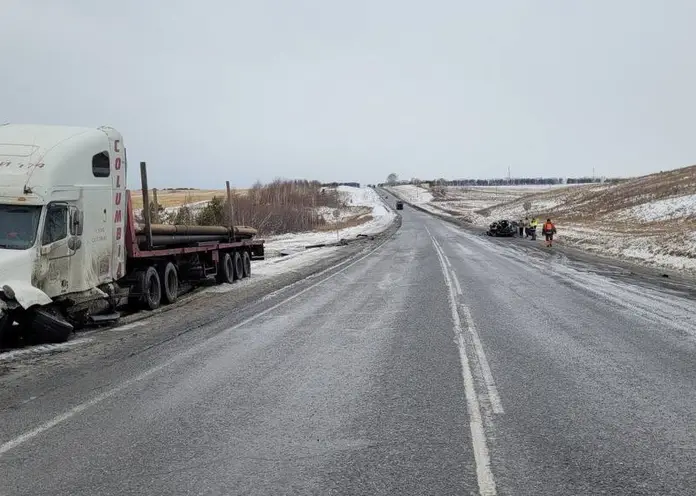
[[440, 363]]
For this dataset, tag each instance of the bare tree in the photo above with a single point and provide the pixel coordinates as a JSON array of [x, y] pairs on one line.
[[392, 178]]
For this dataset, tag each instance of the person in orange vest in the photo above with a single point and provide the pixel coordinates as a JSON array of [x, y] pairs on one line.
[[548, 230]]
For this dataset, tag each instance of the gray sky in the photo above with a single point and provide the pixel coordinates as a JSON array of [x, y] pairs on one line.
[[210, 90]]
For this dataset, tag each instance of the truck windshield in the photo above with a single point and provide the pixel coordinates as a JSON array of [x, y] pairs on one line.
[[18, 226]]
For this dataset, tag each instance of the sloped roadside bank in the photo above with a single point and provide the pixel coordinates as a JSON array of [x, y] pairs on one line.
[[671, 280]]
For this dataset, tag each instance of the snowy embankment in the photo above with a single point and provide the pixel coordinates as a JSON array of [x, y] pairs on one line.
[[372, 218]]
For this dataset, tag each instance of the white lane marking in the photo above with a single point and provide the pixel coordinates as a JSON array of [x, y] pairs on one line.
[[482, 457], [13, 443], [43, 427], [493, 396], [41, 349], [456, 283]]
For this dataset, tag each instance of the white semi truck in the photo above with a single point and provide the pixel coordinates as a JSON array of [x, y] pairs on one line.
[[70, 247]]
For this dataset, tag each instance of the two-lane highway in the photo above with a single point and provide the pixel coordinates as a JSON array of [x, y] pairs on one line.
[[441, 363]]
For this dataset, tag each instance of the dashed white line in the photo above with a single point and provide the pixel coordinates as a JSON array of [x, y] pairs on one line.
[[493, 396]]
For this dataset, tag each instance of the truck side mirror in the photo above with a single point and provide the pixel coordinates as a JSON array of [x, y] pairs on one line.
[[74, 243], [76, 222]]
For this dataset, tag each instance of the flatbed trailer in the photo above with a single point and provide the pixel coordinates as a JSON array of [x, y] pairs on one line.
[[156, 273]]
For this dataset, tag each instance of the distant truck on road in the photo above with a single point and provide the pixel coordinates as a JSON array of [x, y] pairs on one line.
[[71, 251], [399, 205]]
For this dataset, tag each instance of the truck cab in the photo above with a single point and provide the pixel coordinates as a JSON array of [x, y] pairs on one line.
[[62, 211]]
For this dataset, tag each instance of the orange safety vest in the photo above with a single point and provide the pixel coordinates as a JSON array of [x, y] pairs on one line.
[[549, 227]]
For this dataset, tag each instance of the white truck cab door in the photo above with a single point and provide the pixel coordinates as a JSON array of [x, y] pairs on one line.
[[59, 242]]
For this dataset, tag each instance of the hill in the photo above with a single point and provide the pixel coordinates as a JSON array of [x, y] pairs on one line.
[[649, 219]]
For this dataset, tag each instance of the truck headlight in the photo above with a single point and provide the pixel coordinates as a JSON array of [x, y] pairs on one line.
[[9, 292]]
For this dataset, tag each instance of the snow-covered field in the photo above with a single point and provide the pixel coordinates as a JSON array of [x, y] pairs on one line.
[[661, 210]]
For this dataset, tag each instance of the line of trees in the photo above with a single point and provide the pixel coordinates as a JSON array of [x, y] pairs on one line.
[[392, 180], [336, 185], [276, 208]]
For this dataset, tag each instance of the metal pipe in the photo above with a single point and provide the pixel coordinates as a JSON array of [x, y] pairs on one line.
[[230, 213], [156, 220], [168, 240]]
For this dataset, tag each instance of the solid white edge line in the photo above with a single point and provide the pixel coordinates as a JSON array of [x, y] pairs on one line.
[[493, 396], [456, 283], [482, 458], [43, 427]]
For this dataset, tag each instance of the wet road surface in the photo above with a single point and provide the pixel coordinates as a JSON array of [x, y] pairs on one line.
[[440, 363]]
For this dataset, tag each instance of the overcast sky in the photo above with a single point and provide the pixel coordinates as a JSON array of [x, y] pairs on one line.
[[352, 90]]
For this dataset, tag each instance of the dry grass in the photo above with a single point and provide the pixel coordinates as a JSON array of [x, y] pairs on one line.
[[177, 198]]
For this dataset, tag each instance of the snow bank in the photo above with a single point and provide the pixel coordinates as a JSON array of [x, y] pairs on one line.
[[382, 217]]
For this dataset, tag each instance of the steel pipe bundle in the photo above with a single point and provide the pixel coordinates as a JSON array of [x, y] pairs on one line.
[[170, 235]]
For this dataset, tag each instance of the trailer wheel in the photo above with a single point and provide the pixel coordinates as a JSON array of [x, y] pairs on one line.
[[238, 265], [225, 272], [169, 277], [151, 289], [246, 262]]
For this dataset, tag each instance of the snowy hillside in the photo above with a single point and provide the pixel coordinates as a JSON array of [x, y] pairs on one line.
[[650, 219]]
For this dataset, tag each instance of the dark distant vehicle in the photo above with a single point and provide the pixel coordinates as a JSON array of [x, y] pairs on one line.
[[503, 228], [399, 205]]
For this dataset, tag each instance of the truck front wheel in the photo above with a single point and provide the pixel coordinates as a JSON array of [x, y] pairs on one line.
[[45, 325]]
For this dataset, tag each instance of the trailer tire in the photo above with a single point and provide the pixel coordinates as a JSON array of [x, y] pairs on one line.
[[151, 289], [246, 262], [225, 272], [169, 277], [238, 265]]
